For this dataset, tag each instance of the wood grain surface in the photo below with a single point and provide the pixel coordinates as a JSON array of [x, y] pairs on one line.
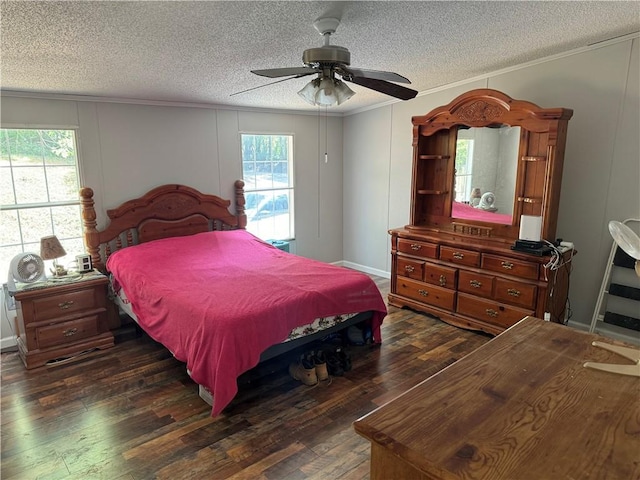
[[520, 407]]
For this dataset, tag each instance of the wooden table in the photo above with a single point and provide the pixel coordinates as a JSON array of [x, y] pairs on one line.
[[520, 407]]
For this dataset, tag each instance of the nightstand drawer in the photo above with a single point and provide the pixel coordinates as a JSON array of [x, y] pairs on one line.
[[67, 332], [47, 308]]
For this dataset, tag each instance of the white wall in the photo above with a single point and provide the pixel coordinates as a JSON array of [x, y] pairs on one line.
[[127, 149], [602, 160]]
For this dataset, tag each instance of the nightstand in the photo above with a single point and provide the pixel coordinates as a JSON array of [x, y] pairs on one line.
[[62, 318]]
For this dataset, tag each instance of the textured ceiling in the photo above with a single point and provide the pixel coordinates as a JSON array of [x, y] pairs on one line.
[[202, 52]]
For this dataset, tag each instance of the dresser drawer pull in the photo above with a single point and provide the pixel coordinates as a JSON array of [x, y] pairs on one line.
[[65, 305], [475, 283], [409, 268], [70, 332], [442, 280], [507, 265], [415, 247], [458, 255], [513, 292], [424, 293], [491, 312]]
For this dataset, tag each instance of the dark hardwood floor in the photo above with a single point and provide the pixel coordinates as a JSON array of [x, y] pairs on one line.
[[132, 412]]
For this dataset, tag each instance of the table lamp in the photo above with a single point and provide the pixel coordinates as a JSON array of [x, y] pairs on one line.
[[51, 249], [628, 241]]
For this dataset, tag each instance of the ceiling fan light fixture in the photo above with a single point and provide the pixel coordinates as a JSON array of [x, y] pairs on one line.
[[326, 92]]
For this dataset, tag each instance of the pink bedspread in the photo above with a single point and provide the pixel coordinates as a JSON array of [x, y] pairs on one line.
[[217, 300], [462, 210]]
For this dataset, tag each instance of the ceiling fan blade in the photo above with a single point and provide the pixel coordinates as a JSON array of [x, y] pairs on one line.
[[267, 84], [398, 91], [374, 74], [285, 72]]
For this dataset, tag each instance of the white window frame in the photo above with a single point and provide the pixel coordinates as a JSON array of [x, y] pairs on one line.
[[73, 244], [251, 188]]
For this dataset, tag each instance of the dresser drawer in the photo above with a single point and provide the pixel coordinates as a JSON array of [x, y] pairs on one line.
[[410, 268], [425, 293], [515, 293], [510, 266], [67, 332], [439, 275], [417, 248], [51, 307], [460, 256], [489, 311], [476, 283]]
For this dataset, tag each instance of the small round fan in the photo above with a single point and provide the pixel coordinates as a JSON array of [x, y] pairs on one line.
[[27, 267]]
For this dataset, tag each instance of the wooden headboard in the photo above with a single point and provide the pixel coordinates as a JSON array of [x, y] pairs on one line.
[[166, 211]]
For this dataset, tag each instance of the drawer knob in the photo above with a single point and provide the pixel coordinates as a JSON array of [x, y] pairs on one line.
[[443, 280], [70, 332], [409, 268], [65, 305], [475, 283], [424, 293], [513, 292], [507, 265], [458, 255], [415, 247], [491, 312]]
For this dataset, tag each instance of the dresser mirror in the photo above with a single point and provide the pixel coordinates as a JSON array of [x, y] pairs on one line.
[[510, 151], [486, 165]]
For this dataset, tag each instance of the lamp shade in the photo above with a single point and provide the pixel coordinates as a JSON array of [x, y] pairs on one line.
[[325, 92], [50, 248]]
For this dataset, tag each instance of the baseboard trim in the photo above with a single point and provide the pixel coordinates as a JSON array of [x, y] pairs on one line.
[[8, 344], [363, 268]]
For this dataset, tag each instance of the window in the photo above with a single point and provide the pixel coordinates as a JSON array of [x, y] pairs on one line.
[[267, 171], [38, 192], [464, 169]]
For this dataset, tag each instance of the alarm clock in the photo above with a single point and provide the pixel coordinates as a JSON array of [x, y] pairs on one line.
[[84, 263]]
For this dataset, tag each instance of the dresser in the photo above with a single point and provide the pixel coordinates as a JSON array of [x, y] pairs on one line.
[[484, 165], [480, 286], [62, 319], [522, 407]]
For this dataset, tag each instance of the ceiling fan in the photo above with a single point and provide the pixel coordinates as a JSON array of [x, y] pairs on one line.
[[328, 61]]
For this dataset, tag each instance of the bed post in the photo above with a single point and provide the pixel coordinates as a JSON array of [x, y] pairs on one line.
[[91, 236], [240, 202]]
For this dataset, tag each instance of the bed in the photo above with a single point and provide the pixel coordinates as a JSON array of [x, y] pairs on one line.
[[218, 298]]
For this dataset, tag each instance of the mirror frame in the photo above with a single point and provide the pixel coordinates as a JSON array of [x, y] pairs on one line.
[[539, 171]]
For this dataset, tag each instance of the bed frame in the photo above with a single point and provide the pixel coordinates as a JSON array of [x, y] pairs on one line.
[[172, 211]]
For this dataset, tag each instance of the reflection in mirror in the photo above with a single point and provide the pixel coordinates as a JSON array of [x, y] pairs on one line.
[[486, 168]]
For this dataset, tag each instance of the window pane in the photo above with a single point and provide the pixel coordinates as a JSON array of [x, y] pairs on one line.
[[63, 183], [10, 231], [67, 221], [271, 218], [35, 223], [6, 184], [30, 184]]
